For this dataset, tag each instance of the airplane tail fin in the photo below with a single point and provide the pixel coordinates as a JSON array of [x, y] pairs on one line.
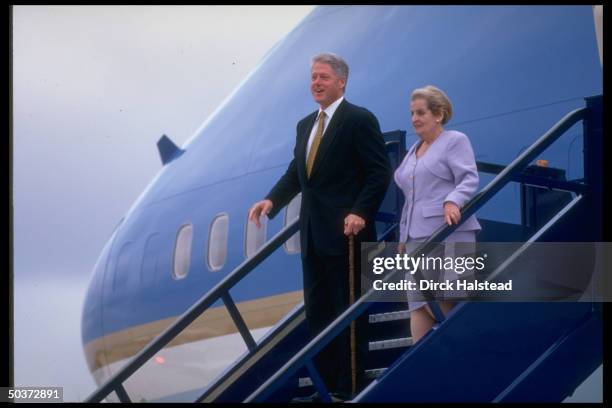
[[168, 151]]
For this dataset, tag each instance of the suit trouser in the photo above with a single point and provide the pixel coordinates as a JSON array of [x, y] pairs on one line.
[[326, 296]]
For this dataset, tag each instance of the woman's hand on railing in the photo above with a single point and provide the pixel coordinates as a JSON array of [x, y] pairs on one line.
[[452, 214]]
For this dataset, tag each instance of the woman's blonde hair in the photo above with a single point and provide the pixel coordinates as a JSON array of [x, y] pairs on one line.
[[437, 101]]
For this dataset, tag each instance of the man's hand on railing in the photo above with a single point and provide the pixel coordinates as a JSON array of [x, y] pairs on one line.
[[261, 207]]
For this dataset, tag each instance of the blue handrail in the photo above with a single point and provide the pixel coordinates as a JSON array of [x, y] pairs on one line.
[[220, 291], [307, 354]]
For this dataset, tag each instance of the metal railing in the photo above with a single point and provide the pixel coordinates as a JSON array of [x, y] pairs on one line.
[[509, 173], [220, 291], [304, 357], [218, 385]]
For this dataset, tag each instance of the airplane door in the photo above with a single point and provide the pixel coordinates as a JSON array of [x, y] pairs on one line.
[[390, 209]]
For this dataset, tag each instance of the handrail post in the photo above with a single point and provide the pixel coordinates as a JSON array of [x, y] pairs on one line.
[[436, 310], [593, 157], [122, 394], [239, 321], [317, 381]]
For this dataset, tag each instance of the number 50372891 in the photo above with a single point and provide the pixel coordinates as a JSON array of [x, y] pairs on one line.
[[34, 394]]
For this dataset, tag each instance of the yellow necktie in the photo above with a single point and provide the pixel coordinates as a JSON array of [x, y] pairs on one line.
[[315, 144]]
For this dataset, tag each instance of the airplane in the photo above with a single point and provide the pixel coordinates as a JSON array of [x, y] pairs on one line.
[[511, 72]]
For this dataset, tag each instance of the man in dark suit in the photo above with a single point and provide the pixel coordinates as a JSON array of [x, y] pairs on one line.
[[341, 168]]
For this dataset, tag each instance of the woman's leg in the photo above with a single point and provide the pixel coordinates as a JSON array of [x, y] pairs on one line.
[[422, 319], [420, 323]]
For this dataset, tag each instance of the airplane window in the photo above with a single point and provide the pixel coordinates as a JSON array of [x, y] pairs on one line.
[[255, 237], [217, 242], [182, 252], [292, 245]]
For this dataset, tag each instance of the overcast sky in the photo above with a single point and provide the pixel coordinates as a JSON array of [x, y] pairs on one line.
[[94, 88]]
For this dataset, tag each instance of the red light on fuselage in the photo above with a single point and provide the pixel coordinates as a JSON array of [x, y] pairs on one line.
[[160, 360]]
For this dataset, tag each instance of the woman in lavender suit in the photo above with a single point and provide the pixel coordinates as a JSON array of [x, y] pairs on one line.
[[438, 176]]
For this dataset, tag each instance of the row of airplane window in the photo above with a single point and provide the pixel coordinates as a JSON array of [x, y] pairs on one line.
[[217, 248], [218, 238]]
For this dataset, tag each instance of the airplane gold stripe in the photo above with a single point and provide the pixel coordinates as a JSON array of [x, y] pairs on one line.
[[214, 322]]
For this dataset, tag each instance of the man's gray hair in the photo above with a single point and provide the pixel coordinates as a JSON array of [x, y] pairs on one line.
[[339, 65]]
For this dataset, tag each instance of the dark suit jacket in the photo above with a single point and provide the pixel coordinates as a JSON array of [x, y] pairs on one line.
[[350, 174]]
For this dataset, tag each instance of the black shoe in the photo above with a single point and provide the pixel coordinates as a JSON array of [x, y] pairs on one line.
[[335, 398], [339, 397], [307, 399]]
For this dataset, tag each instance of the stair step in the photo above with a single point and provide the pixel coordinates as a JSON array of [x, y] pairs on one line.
[[374, 373], [387, 307], [304, 382], [391, 343], [369, 374], [390, 316]]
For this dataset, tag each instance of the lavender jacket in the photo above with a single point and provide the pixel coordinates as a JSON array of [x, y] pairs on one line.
[[446, 172]]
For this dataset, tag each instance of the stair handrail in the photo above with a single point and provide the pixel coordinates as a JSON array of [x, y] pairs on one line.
[[306, 355], [273, 334], [220, 291]]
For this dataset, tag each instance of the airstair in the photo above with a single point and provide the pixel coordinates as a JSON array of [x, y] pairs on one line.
[[480, 351]]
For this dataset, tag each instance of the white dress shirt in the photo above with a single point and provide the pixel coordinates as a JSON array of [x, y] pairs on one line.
[[329, 112]]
